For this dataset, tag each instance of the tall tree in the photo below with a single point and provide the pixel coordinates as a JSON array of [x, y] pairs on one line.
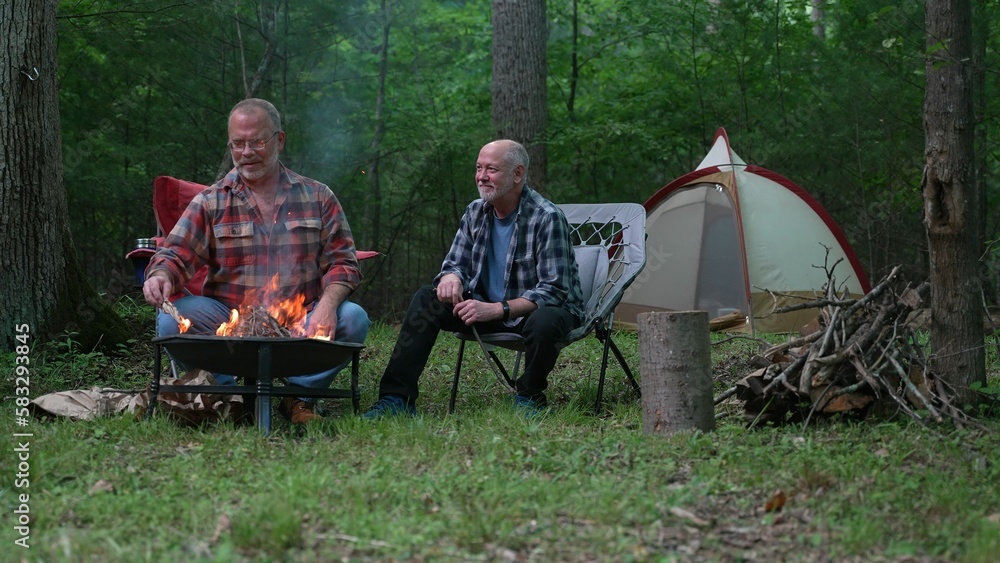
[[520, 101], [42, 284], [267, 15], [951, 213], [377, 201], [818, 17]]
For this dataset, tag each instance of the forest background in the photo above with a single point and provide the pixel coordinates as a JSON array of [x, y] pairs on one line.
[[831, 98]]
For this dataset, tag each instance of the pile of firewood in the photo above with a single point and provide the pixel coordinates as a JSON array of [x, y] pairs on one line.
[[248, 321], [256, 321], [859, 354]]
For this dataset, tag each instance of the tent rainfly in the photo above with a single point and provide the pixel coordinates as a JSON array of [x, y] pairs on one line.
[[735, 239]]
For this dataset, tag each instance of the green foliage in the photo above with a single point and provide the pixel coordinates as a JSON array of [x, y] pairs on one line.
[[69, 367], [637, 90], [62, 363]]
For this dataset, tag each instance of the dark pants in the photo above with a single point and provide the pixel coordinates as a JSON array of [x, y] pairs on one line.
[[543, 330]]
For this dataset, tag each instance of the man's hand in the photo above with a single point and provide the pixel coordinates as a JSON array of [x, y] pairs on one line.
[[323, 318], [450, 289], [157, 289], [472, 311]]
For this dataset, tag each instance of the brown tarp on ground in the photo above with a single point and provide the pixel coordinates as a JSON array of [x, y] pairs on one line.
[[186, 408]]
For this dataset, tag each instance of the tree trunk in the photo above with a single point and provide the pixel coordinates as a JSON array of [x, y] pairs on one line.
[[520, 110], [252, 85], [951, 213], [574, 73], [42, 284], [384, 291], [675, 363], [818, 17]]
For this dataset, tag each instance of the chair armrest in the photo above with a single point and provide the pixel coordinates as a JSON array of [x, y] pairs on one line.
[[146, 253]]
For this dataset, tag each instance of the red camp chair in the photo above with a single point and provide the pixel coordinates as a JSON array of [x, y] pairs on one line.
[[171, 197]]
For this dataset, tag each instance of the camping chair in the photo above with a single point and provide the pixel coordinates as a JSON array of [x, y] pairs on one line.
[[610, 249], [171, 197]]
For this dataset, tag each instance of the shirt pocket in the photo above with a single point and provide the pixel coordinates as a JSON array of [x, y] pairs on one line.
[[304, 238], [234, 243]]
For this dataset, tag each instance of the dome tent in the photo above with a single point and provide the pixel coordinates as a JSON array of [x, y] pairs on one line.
[[731, 237]]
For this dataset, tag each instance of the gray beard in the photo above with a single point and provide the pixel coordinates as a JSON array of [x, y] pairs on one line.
[[490, 197], [267, 165]]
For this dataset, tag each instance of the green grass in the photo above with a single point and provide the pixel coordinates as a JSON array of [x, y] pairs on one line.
[[486, 484]]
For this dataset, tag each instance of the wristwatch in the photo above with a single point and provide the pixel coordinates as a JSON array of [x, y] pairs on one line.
[[506, 310]]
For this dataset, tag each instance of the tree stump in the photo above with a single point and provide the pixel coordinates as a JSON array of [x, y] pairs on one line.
[[675, 363]]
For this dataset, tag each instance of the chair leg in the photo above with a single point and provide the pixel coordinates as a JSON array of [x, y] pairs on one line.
[[606, 340], [517, 367], [458, 373], [510, 379], [604, 336], [625, 368]]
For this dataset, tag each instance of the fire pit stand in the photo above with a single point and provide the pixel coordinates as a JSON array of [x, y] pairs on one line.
[[258, 361]]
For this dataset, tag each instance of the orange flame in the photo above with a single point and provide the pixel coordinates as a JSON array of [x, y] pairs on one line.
[[226, 328], [184, 325], [321, 332], [290, 313]]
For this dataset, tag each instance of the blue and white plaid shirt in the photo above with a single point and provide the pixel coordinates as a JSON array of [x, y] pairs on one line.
[[540, 267]]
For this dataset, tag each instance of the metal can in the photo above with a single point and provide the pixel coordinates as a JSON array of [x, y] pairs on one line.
[[141, 260]]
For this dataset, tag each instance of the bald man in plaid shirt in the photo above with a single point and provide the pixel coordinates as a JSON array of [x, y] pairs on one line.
[[262, 222], [511, 268]]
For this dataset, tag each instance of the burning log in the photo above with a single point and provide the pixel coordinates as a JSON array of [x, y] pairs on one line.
[[265, 312], [857, 355], [262, 314], [254, 321]]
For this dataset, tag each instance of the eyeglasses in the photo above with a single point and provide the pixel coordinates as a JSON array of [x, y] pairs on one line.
[[255, 144]]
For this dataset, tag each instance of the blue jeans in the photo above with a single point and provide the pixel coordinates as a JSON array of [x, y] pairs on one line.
[[206, 314]]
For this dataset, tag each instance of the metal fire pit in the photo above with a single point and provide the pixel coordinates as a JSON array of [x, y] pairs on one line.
[[258, 361]]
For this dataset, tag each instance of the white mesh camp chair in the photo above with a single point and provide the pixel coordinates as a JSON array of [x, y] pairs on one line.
[[610, 248]]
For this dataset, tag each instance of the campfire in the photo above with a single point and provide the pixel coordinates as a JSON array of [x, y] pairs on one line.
[[263, 313]]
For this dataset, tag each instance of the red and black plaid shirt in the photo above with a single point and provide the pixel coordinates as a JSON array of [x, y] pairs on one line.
[[309, 246]]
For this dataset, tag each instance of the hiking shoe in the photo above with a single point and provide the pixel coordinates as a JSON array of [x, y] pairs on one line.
[[528, 407], [389, 405], [298, 411]]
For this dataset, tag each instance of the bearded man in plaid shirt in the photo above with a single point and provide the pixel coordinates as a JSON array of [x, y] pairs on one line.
[[261, 223], [511, 268]]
